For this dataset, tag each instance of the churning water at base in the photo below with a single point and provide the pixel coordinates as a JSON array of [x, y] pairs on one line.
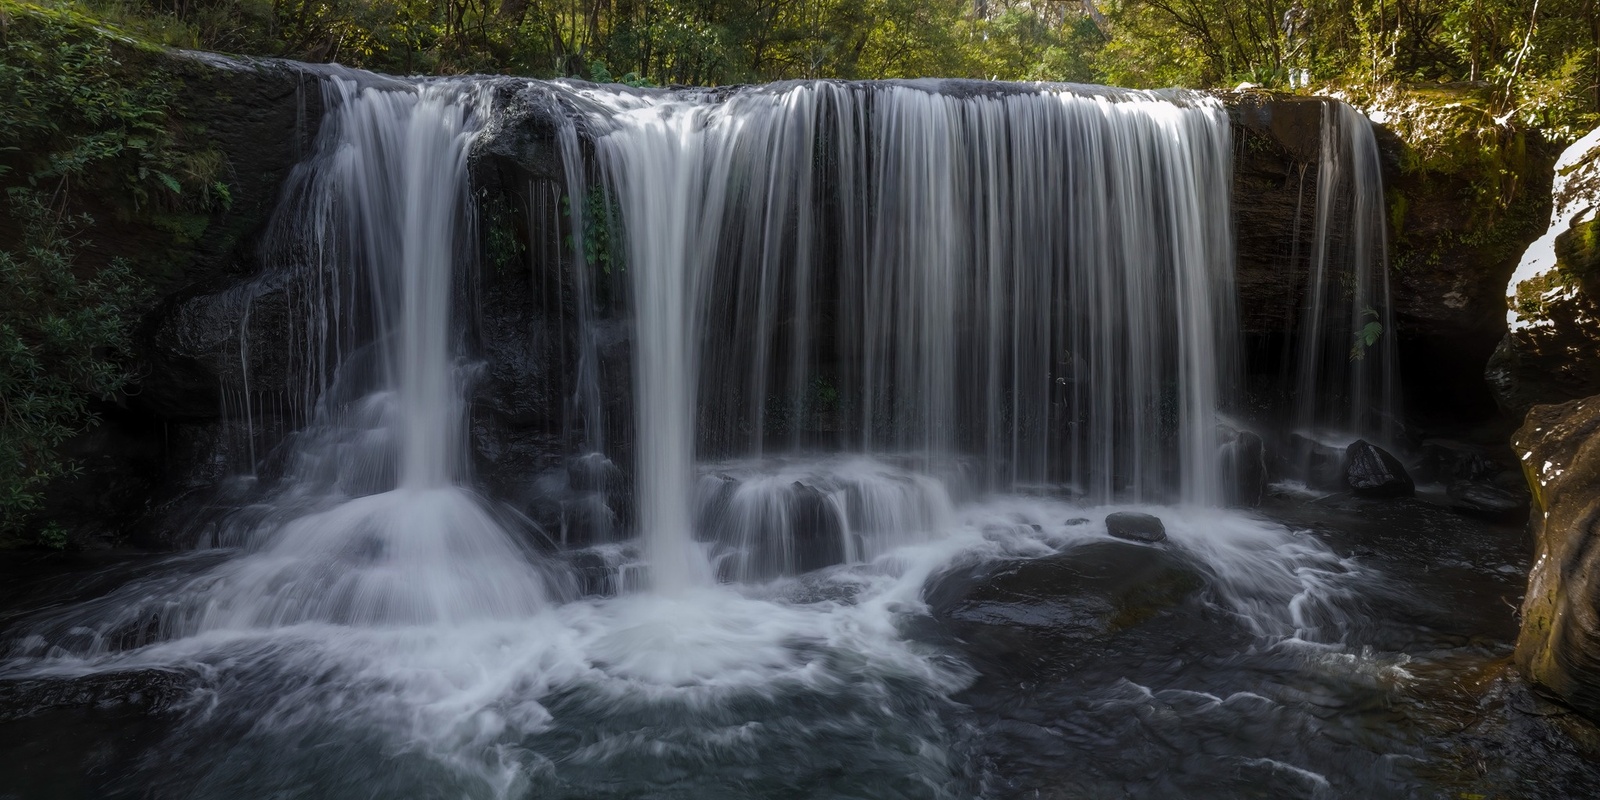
[[1005, 271]]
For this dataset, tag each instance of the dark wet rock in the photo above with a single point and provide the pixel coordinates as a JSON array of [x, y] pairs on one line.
[[1559, 645], [593, 472], [819, 532], [1279, 138], [1076, 521], [1244, 468], [1447, 460], [524, 133], [227, 348], [1372, 471], [1136, 527], [151, 690], [1320, 465], [1449, 265], [521, 343], [1479, 499], [1085, 593], [593, 574]]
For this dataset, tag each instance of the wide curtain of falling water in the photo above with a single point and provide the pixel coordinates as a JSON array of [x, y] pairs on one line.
[[1034, 279]]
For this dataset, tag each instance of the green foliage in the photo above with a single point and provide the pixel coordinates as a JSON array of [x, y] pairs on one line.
[[1538, 61], [60, 338], [1368, 336], [600, 74], [78, 124], [599, 215]]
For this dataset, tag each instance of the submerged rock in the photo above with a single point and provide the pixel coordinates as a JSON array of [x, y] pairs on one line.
[[148, 690], [1372, 471], [1136, 527], [1559, 645], [1488, 501], [1028, 608]]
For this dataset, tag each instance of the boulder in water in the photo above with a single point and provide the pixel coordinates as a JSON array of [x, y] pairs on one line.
[[1136, 527], [1559, 645], [1372, 471], [1039, 612]]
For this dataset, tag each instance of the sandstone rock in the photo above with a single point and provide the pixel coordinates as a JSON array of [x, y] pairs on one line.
[[1552, 351], [1559, 645]]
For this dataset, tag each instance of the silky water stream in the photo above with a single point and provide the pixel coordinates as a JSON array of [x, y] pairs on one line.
[[1018, 299]]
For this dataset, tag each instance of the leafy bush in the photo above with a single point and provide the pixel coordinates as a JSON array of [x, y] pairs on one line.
[[77, 123]]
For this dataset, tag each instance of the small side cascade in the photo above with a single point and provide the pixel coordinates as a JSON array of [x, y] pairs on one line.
[[371, 522], [1345, 382]]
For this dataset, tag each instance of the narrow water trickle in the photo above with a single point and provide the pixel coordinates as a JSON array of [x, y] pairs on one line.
[[1345, 381], [372, 523]]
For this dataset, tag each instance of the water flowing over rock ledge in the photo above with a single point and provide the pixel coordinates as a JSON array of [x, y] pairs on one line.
[[200, 382], [1007, 310]]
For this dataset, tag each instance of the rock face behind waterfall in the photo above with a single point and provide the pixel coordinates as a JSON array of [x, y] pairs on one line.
[[1559, 646], [1452, 248], [1552, 352]]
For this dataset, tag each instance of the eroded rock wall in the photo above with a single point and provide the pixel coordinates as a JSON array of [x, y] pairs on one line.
[[1559, 644]]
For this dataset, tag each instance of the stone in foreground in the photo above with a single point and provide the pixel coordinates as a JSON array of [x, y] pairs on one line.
[[1136, 527]]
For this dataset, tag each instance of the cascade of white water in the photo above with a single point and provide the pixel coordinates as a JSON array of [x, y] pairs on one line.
[[1345, 383], [1037, 276], [372, 525]]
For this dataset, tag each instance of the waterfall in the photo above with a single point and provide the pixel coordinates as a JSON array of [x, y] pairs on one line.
[[1035, 277], [1345, 382], [900, 337], [372, 523]]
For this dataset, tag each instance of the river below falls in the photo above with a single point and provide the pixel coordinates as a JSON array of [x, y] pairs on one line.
[[1025, 654]]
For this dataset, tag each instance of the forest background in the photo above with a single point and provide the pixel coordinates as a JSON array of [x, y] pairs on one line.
[[1534, 61]]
